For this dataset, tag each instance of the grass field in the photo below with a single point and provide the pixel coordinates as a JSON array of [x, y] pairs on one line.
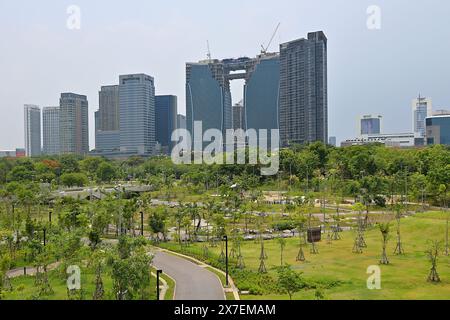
[[404, 278], [24, 287]]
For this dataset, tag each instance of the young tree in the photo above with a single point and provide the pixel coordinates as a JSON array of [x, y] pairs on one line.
[[398, 216], [282, 243], [359, 243], [433, 254], [289, 281], [384, 229]]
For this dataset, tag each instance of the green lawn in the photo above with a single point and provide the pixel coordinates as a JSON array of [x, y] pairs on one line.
[[404, 278], [24, 287]]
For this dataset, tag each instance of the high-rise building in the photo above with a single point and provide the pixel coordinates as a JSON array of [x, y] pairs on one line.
[[107, 134], [438, 129], [32, 126], [50, 126], [303, 102], [166, 121], [181, 121], [74, 124], [208, 96], [239, 116], [332, 141], [422, 108], [370, 124], [137, 114], [109, 108], [261, 92], [208, 92]]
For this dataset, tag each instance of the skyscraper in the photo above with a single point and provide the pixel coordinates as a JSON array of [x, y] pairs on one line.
[[261, 91], [422, 108], [166, 120], [50, 125], [181, 121], [370, 124], [137, 114], [109, 108], [107, 134], [239, 116], [208, 92], [303, 106], [74, 124], [32, 126], [208, 96]]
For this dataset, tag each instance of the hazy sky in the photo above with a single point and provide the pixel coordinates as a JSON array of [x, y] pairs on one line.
[[370, 71]]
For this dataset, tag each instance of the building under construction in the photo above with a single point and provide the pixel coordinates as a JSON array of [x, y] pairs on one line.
[[286, 91]]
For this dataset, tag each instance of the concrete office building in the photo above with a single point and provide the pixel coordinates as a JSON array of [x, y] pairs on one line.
[[74, 124], [303, 90], [107, 134], [137, 114], [438, 129], [109, 108], [398, 140], [50, 126], [421, 108], [166, 121], [32, 126]]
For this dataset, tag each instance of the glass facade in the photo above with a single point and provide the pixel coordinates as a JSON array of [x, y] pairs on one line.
[[438, 130], [261, 95], [370, 126], [137, 114], [166, 120], [50, 124], [207, 99], [32, 125]]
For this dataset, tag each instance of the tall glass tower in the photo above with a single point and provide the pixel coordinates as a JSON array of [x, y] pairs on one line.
[[166, 120], [50, 124], [137, 114], [208, 97], [32, 126]]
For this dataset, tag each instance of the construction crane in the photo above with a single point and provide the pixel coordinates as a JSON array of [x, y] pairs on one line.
[[265, 49]]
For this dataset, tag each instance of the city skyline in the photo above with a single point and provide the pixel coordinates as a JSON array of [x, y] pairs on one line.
[[373, 77]]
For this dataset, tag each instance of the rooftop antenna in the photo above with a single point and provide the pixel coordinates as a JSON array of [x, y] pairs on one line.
[[209, 51], [264, 49]]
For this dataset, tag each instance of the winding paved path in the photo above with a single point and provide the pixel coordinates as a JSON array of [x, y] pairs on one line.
[[192, 281]]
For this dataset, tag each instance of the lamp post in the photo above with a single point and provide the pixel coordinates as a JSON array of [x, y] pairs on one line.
[[50, 217], [225, 238], [142, 223], [158, 272]]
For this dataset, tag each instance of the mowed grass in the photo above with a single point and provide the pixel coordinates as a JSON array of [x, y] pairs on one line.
[[404, 278], [24, 288]]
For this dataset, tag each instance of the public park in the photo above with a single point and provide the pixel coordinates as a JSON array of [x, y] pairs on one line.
[[353, 223]]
